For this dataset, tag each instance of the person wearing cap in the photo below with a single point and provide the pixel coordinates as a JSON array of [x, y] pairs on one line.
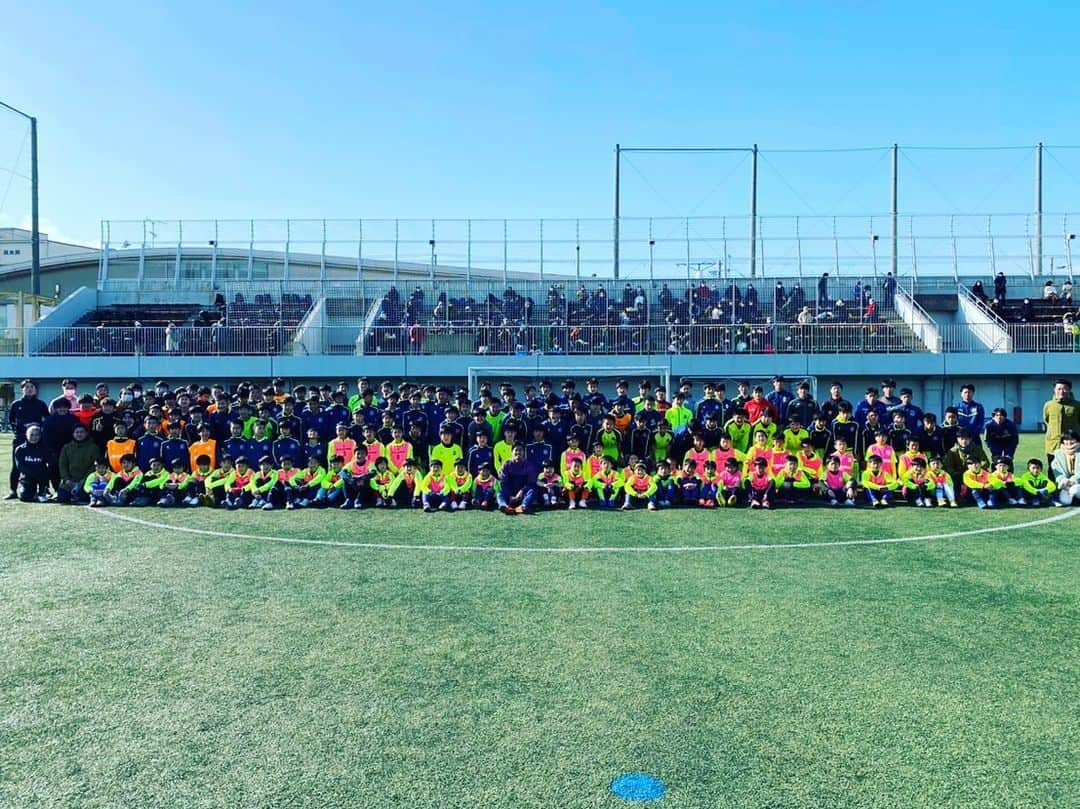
[[970, 413], [1065, 469], [1002, 435], [1061, 414], [23, 412]]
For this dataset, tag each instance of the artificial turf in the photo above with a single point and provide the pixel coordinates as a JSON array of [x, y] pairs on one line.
[[151, 667]]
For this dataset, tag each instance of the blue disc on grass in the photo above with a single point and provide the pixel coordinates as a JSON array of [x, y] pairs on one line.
[[638, 786]]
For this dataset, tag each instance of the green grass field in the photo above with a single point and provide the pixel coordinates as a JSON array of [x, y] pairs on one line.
[[150, 667]]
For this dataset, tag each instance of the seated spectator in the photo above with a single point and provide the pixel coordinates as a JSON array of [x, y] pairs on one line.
[[1050, 292]]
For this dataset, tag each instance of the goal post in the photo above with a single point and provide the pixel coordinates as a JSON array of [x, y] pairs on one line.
[[608, 375], [731, 383]]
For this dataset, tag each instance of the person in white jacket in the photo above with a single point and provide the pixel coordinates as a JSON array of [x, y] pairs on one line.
[[1066, 469]]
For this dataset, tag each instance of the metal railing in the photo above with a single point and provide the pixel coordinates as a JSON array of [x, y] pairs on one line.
[[709, 247]]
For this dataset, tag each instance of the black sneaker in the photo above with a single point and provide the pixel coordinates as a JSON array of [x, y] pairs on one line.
[[11, 496]]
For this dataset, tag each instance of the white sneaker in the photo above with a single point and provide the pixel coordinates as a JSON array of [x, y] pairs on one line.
[[43, 498], [651, 506], [462, 505], [583, 504], [832, 502], [849, 502], [573, 505], [268, 507]]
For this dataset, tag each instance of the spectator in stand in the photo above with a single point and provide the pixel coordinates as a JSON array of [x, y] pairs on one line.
[[1050, 292], [823, 291], [1027, 311], [888, 291], [1001, 287], [979, 292], [1061, 415]]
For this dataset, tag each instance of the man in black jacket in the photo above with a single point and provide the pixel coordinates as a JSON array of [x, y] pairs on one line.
[[34, 465], [24, 412]]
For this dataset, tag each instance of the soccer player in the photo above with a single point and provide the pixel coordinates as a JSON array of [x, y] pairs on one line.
[[405, 490], [288, 478], [837, 486], [915, 484], [689, 483], [434, 487], [460, 486], [1002, 436], [794, 436], [884, 450], [262, 485], [517, 480], [740, 430], [942, 482], [977, 484], [710, 485], [576, 484], [667, 487], [1003, 483], [759, 485], [1038, 488], [878, 484], [382, 478], [549, 485], [485, 488], [604, 483], [77, 460], [97, 482], [640, 489], [911, 454], [214, 485], [731, 483], [792, 483], [125, 484], [236, 486], [119, 446], [174, 490], [698, 453], [308, 485]]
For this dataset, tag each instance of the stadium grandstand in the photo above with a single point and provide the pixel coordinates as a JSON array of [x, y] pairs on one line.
[[161, 299]]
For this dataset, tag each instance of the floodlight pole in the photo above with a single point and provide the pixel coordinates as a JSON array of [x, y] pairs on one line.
[[1038, 210], [35, 227], [753, 212], [895, 209], [615, 241]]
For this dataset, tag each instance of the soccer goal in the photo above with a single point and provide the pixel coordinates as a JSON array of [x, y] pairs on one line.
[[608, 375], [731, 383]]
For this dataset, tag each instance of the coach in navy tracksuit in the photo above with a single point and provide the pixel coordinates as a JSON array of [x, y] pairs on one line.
[[24, 412]]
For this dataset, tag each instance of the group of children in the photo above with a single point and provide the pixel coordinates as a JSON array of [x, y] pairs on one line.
[[589, 453], [374, 475]]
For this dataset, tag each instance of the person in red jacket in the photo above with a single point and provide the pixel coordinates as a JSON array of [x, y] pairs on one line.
[[758, 404]]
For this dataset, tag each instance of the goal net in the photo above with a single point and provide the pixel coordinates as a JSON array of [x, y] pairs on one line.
[[731, 383], [607, 375]]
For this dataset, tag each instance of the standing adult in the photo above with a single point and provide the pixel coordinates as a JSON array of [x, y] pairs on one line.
[[1061, 414], [24, 412], [970, 413]]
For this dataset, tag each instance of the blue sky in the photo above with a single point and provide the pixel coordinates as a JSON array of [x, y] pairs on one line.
[[495, 110]]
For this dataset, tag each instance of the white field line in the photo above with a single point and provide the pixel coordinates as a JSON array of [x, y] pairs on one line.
[[389, 546]]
